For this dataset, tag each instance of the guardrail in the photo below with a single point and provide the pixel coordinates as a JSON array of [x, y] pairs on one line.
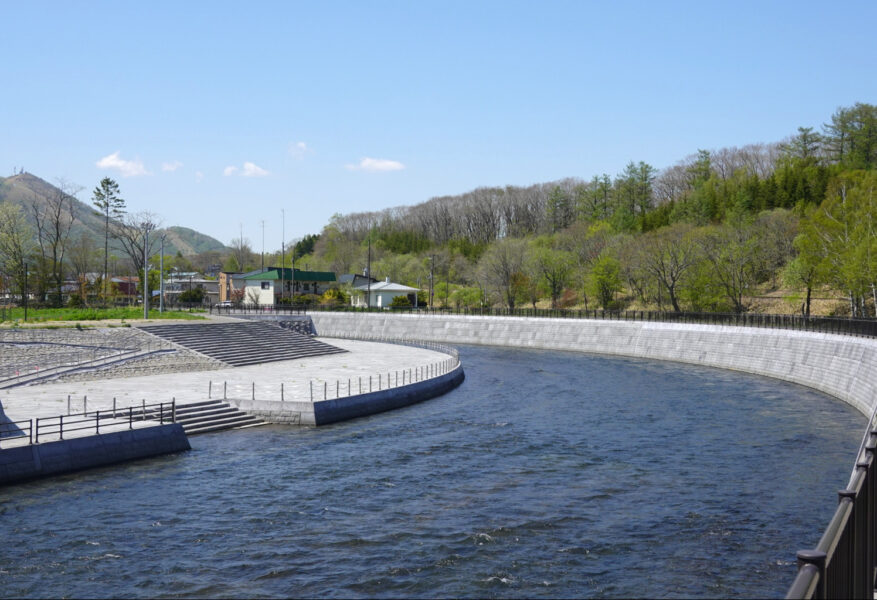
[[91, 422], [843, 563], [838, 325]]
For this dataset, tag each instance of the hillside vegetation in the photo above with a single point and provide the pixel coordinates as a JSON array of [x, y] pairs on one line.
[[26, 191], [721, 230], [51, 243]]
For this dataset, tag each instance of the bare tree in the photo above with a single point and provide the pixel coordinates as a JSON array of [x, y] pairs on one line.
[[667, 255], [133, 232], [502, 268], [54, 218], [84, 257], [17, 244]]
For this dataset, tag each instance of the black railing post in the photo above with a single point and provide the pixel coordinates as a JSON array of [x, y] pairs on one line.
[[817, 559], [853, 572]]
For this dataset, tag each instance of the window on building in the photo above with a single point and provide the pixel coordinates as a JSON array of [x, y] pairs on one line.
[[266, 285]]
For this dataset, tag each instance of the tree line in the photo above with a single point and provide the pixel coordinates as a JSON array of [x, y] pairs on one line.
[[704, 234]]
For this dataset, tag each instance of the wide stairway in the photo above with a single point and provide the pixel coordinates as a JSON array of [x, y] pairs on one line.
[[241, 344], [212, 415]]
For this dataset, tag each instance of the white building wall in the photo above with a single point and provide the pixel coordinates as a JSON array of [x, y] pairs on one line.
[[254, 290]]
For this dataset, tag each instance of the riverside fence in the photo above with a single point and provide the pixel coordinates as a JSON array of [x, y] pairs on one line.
[[836, 325], [324, 389], [30, 431], [843, 563]]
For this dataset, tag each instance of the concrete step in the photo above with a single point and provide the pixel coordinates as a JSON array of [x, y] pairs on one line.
[[240, 344], [238, 423], [206, 416], [212, 415], [195, 406]]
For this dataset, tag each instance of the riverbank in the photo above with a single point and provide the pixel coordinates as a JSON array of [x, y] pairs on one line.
[[840, 365]]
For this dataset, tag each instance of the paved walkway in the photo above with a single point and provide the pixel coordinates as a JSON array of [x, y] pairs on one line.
[[364, 359]]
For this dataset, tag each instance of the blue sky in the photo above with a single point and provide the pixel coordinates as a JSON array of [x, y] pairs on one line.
[[218, 115]]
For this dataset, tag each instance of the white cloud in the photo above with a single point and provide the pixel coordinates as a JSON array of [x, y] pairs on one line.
[[198, 176], [376, 165], [171, 166], [128, 168], [251, 170], [248, 170], [298, 150]]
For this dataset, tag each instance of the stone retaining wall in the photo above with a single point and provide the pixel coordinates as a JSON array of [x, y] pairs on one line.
[[842, 366], [54, 458]]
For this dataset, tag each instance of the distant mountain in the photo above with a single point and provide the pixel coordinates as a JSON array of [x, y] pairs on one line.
[[24, 189]]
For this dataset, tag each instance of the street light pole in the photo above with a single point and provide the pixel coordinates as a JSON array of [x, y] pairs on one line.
[[161, 278], [146, 272], [282, 254], [24, 292]]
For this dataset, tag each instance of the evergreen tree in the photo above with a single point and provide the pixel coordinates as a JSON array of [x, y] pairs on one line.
[[106, 198]]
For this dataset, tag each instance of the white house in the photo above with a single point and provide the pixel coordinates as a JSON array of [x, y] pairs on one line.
[[382, 294]]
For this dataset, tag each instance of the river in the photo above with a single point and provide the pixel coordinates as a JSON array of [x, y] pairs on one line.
[[546, 474]]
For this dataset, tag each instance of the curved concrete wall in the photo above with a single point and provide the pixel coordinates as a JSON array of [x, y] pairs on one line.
[[843, 366], [323, 412]]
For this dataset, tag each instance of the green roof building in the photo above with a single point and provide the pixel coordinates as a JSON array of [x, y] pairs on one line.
[[266, 287]]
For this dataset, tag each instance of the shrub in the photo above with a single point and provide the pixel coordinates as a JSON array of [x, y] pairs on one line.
[[334, 296], [400, 302], [75, 301], [193, 295]]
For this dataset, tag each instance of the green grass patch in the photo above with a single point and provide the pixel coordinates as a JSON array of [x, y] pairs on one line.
[[36, 315]]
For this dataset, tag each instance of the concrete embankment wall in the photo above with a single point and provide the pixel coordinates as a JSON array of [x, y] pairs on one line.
[[323, 412], [54, 458], [842, 366]]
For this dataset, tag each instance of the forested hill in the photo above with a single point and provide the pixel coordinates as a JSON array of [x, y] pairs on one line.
[[27, 191], [763, 210]]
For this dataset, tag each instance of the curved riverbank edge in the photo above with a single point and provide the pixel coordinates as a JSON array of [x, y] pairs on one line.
[[66, 456], [842, 366], [335, 410]]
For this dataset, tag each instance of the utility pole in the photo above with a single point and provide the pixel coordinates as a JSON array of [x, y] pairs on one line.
[[263, 245], [161, 278], [146, 271], [282, 252], [24, 292], [431, 279], [368, 269]]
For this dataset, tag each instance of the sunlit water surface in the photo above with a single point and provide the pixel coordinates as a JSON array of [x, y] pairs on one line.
[[546, 474]]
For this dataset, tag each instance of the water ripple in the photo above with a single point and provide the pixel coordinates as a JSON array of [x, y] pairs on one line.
[[546, 474]]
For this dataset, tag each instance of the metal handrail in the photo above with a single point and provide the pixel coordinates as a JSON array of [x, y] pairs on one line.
[[163, 412], [843, 563]]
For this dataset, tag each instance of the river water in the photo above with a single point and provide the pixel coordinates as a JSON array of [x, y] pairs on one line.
[[546, 474]]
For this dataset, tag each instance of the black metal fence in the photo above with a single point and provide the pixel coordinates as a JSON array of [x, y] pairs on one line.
[[843, 563], [90, 422], [838, 325]]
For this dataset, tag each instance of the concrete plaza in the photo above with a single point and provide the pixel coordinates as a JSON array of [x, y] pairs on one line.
[[294, 379]]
